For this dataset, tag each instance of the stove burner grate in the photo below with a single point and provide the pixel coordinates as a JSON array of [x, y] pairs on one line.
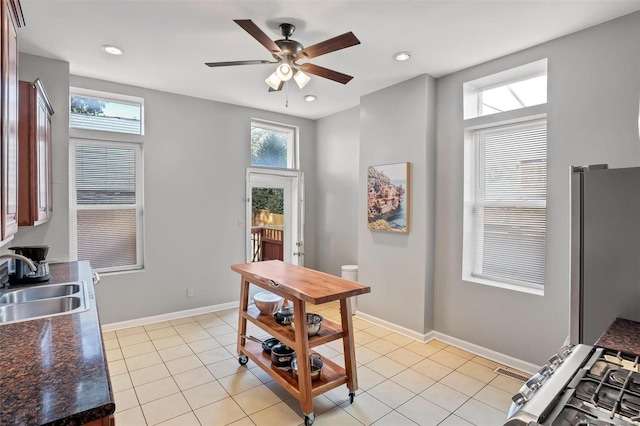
[[574, 415], [613, 389]]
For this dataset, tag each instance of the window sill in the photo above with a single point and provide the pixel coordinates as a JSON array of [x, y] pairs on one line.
[[537, 291], [112, 273]]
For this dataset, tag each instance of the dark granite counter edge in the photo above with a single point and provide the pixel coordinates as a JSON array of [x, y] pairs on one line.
[[70, 335], [622, 335], [85, 416]]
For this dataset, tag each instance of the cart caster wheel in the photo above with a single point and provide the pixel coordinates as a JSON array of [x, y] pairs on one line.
[[308, 420], [243, 359], [351, 396]]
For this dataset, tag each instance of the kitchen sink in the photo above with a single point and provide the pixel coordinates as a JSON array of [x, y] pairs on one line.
[[41, 292], [42, 301]]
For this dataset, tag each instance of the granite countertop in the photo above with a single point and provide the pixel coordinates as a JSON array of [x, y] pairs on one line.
[[622, 335], [53, 370]]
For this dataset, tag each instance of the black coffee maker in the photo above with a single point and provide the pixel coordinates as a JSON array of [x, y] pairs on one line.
[[23, 274]]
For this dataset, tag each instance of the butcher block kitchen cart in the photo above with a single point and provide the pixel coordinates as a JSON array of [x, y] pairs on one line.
[[299, 285]]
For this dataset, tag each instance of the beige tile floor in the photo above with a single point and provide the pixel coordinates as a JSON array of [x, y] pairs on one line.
[[185, 372]]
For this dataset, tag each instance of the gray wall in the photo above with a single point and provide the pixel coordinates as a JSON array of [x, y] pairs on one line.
[[594, 89], [195, 156], [55, 78], [338, 143], [396, 125]]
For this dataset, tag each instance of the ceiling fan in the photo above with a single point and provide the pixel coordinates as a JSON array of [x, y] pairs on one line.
[[288, 52]]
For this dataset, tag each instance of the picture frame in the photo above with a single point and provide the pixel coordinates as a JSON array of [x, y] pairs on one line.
[[388, 197]]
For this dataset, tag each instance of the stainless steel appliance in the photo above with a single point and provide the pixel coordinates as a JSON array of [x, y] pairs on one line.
[[581, 386], [585, 385], [22, 272], [605, 249]]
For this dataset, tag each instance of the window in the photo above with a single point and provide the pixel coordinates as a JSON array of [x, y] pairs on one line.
[[513, 89], [93, 110], [505, 199], [107, 204], [273, 145], [106, 195], [512, 96]]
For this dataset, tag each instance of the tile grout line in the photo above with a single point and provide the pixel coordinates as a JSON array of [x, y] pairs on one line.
[[386, 356]]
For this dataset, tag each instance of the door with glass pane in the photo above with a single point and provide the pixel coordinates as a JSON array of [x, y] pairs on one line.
[[274, 216]]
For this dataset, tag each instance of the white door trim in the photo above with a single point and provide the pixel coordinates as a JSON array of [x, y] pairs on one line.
[[292, 183]]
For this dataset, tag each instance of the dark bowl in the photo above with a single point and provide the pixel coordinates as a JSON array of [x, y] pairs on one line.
[[282, 355], [284, 315], [269, 343]]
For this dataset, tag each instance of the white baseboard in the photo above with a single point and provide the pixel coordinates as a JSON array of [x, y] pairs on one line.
[[462, 344], [391, 326], [498, 357], [167, 317]]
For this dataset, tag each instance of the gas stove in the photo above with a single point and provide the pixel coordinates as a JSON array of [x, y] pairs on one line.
[[581, 386]]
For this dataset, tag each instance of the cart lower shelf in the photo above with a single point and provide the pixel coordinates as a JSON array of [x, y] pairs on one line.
[[332, 374]]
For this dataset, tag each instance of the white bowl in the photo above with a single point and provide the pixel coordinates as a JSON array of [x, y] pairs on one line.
[[267, 302]]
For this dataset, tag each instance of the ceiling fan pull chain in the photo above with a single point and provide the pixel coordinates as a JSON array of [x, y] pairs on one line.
[[286, 94]]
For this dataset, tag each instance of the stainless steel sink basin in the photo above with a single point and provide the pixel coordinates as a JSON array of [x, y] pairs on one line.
[[38, 309], [42, 301], [41, 292]]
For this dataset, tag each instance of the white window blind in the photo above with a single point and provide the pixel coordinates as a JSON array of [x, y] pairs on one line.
[[509, 203], [107, 204]]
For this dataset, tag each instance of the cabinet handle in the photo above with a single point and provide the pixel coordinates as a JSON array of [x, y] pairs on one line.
[[96, 278]]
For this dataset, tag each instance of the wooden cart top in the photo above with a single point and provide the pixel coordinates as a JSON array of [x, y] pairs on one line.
[[299, 282]]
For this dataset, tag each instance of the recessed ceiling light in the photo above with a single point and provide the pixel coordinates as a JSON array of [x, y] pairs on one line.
[[310, 98], [112, 49], [402, 56]]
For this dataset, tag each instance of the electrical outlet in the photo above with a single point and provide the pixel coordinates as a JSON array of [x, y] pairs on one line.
[[240, 223], [189, 292]]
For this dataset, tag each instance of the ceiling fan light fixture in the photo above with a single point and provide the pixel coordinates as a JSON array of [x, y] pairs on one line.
[[301, 78], [402, 56], [284, 72], [274, 81]]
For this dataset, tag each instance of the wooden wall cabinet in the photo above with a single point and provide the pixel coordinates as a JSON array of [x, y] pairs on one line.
[[34, 154], [11, 19]]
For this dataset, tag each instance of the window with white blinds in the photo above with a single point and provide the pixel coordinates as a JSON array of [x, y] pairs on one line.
[[106, 204], [506, 188]]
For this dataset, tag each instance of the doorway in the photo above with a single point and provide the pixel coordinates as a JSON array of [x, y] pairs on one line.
[[274, 217]]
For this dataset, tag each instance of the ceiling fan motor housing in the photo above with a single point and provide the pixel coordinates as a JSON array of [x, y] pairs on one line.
[[290, 48], [286, 29]]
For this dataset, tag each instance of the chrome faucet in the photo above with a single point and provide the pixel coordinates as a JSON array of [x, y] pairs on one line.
[[20, 257]]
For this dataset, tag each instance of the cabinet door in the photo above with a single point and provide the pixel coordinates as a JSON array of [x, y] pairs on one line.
[[43, 158], [34, 136], [9, 184]]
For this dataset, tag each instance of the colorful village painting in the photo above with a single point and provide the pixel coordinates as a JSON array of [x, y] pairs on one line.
[[388, 197]]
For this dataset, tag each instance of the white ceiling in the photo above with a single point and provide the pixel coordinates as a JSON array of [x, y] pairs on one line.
[[166, 42]]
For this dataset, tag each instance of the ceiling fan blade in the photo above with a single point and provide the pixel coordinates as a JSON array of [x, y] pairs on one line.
[[258, 34], [326, 73], [226, 64], [340, 42]]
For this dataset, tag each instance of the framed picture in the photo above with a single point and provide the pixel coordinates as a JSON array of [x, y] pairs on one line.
[[388, 197]]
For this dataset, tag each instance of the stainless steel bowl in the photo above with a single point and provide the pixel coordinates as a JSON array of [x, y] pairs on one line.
[[315, 363], [314, 322]]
